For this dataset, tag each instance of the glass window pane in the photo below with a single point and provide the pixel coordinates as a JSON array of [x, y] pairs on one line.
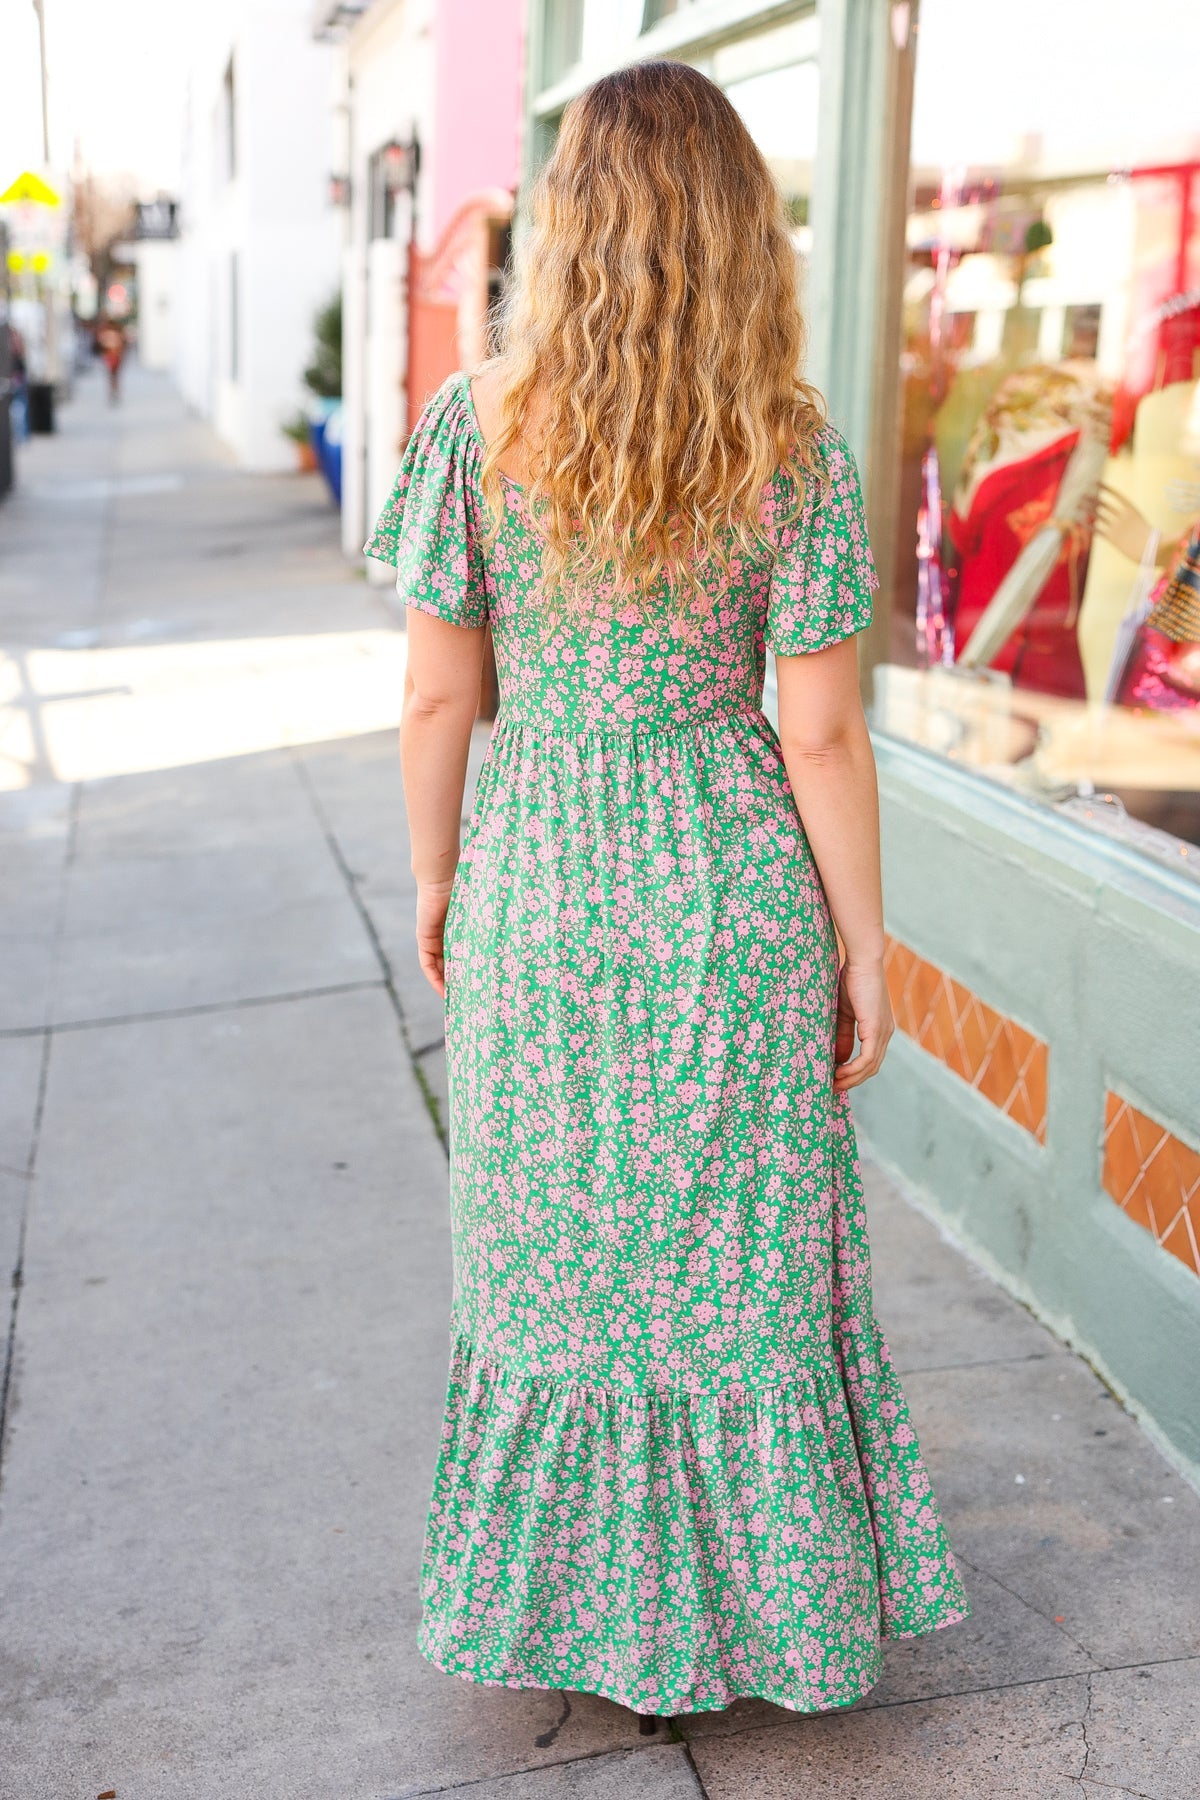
[[1046, 617], [562, 42], [780, 111]]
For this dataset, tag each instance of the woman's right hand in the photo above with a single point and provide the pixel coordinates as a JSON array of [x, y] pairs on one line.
[[433, 897], [863, 1006]]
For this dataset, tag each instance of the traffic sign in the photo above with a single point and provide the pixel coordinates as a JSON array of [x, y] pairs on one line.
[[31, 190]]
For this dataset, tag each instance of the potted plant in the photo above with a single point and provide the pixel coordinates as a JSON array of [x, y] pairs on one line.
[[323, 378], [299, 429]]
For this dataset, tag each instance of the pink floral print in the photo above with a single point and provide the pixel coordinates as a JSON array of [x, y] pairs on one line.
[[677, 1464]]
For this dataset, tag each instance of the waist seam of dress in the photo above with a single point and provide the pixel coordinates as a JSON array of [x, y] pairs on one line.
[[505, 722], [477, 1365]]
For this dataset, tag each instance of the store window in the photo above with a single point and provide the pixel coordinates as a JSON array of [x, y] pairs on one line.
[[562, 44], [229, 135], [1045, 608], [771, 77], [769, 73], [654, 10]]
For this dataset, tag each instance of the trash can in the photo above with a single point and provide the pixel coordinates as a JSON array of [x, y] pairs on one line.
[[41, 406]]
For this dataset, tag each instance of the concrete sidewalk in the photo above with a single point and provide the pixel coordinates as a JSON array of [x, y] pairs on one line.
[[223, 1195]]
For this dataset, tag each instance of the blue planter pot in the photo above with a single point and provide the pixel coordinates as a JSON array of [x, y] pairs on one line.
[[325, 435]]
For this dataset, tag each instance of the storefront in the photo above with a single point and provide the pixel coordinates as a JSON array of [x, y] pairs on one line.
[[1006, 323], [1045, 554]]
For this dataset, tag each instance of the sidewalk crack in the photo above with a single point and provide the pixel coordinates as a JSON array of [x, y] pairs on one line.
[[1083, 1726], [978, 1569]]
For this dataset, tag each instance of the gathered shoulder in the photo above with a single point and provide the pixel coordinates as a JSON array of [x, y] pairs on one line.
[[829, 461], [824, 574], [838, 459], [447, 413], [437, 476]]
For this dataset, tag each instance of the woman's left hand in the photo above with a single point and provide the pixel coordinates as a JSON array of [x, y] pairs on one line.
[[433, 898], [863, 1007]]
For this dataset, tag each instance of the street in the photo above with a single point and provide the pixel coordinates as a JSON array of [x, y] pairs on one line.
[[223, 1195]]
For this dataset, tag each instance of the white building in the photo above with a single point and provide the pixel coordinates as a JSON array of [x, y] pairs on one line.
[[386, 72], [157, 263], [259, 246]]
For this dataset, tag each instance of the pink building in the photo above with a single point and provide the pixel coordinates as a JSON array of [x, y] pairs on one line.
[[426, 152], [476, 123]]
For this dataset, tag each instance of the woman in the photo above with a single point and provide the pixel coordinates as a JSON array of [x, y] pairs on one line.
[[677, 1466], [110, 337]]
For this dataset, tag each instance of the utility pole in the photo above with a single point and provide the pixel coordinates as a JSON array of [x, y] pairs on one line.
[[48, 298], [39, 7]]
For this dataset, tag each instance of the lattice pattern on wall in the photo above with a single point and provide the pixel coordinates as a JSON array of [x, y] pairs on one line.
[[1154, 1177], [991, 1053]]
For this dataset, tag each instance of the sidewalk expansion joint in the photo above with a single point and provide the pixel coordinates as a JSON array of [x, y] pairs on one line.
[[965, 1693], [986, 1362], [18, 1271], [387, 973], [199, 1010], [607, 1753], [39, 1113]]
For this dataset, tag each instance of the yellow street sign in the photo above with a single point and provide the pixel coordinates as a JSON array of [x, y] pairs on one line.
[[31, 189], [41, 261], [16, 261]]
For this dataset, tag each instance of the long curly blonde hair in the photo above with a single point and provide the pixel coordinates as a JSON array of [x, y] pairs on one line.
[[654, 320]]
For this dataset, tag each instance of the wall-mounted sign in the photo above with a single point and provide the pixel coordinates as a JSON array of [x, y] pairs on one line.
[[156, 219]]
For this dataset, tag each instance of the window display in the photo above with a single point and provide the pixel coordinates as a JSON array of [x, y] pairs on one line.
[[1046, 594]]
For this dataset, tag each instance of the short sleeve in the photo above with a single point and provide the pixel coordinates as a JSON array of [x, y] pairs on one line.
[[824, 573], [430, 528]]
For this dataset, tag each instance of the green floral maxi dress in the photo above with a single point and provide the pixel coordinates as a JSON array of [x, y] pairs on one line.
[[677, 1464]]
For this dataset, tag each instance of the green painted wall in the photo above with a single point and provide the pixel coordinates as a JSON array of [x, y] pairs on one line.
[[1097, 951]]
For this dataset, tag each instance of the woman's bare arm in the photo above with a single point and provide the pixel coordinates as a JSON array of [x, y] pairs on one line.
[[441, 698], [831, 767]]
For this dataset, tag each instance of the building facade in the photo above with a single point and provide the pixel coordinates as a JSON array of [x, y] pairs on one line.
[[259, 242], [425, 154], [999, 253], [157, 264]]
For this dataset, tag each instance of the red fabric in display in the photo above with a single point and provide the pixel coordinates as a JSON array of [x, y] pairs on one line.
[[1008, 508]]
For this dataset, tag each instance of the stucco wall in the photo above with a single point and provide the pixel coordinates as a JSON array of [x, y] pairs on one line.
[[272, 213], [478, 55], [158, 286], [1097, 952]]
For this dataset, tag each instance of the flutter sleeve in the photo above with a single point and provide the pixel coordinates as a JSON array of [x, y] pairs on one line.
[[430, 528], [824, 573]]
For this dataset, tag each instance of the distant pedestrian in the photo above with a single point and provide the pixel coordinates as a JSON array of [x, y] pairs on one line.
[[677, 1464], [110, 336]]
